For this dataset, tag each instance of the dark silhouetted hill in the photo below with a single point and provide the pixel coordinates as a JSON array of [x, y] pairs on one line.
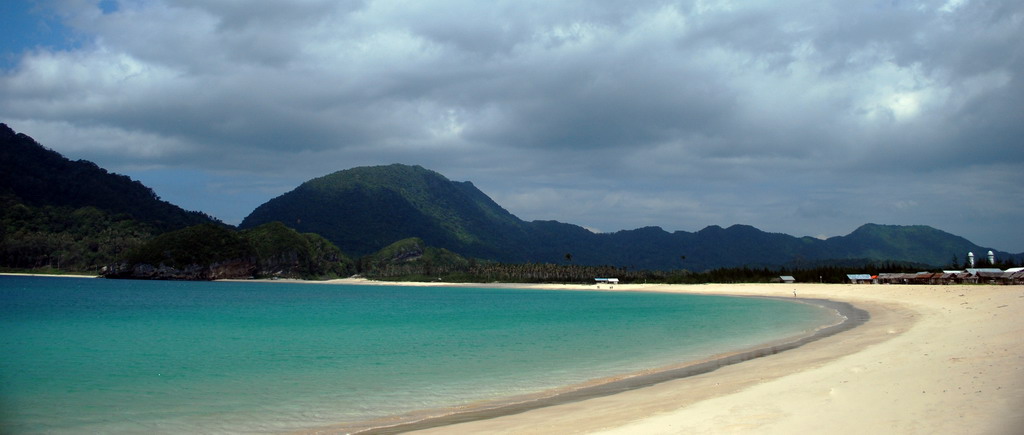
[[63, 215], [38, 176]]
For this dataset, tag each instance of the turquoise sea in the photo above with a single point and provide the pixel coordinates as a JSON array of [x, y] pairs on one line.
[[106, 356]]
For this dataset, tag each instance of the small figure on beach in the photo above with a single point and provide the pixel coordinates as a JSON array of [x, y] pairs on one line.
[[794, 293]]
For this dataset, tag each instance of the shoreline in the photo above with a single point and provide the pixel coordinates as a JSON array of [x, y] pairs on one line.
[[931, 359], [47, 275], [851, 317]]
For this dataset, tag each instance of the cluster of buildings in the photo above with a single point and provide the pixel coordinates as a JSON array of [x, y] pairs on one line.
[[970, 275], [967, 276]]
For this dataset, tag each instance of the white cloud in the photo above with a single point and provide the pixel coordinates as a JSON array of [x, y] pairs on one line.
[[953, 5], [100, 143], [680, 113]]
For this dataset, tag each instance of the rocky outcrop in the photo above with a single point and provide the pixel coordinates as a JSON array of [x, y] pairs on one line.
[[233, 269]]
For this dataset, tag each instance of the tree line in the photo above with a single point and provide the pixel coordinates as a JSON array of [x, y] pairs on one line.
[[86, 239], [481, 271], [65, 239]]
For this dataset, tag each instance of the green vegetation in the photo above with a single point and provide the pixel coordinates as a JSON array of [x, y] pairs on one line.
[[199, 245], [65, 216], [210, 251], [62, 216], [49, 238], [73, 216], [456, 269], [410, 259], [363, 210], [41, 177], [283, 252]]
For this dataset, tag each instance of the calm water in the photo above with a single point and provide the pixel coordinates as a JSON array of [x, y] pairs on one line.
[[101, 356]]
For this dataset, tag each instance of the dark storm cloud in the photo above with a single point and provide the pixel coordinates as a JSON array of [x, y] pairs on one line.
[[611, 115]]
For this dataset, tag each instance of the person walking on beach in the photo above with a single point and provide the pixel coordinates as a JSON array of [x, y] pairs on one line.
[[794, 293]]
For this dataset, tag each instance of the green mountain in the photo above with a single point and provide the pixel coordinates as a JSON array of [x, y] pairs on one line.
[[75, 216], [38, 176], [63, 215], [917, 243], [365, 209]]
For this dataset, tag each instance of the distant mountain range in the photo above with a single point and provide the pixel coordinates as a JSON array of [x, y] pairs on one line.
[[364, 209], [74, 214]]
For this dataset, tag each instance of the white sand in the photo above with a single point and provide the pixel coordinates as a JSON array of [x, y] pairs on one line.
[[933, 359]]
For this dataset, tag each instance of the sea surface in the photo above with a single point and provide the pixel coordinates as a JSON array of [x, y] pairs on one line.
[[113, 356]]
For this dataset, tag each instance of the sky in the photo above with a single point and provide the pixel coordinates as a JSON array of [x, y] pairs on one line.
[[808, 118]]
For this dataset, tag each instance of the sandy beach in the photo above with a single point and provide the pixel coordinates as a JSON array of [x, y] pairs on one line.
[[932, 359]]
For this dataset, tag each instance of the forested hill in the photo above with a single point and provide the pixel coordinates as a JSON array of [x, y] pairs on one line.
[[365, 209], [74, 215], [62, 215], [37, 176]]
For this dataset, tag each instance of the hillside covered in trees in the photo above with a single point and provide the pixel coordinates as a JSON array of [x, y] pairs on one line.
[[393, 222], [73, 215], [58, 215], [208, 251], [365, 209]]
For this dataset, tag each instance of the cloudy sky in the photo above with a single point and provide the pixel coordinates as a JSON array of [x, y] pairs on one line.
[[800, 117]]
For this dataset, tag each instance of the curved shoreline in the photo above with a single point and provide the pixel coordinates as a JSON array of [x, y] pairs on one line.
[[932, 359], [940, 359], [851, 316]]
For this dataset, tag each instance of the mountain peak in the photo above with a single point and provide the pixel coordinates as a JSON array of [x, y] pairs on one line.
[[363, 209]]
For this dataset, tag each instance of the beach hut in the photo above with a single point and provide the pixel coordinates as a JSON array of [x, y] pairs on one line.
[[887, 278], [898, 278], [787, 279], [1016, 277], [859, 278], [990, 276]]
